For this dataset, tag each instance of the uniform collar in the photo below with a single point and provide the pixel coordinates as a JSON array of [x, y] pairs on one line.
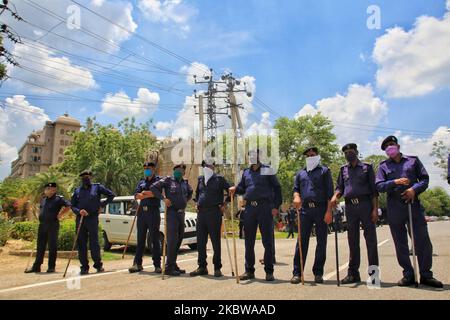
[[358, 164]]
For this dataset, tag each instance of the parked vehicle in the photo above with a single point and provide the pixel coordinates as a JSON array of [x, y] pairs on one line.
[[117, 218]]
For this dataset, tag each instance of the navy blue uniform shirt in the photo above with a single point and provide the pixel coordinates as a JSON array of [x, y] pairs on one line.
[[89, 198], [257, 186], [316, 185], [179, 192], [356, 181], [144, 185], [211, 194], [409, 167], [50, 207]]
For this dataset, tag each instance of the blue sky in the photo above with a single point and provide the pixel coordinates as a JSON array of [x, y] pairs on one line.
[[298, 52]]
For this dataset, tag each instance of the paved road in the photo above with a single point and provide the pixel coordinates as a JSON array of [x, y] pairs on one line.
[[117, 283]]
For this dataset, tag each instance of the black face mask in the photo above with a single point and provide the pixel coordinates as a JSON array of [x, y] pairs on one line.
[[86, 181], [351, 156]]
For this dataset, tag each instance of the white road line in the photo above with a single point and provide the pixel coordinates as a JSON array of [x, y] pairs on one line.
[[40, 284], [344, 266]]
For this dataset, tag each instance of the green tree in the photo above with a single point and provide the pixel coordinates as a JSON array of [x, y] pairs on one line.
[[375, 160], [436, 202], [295, 136], [440, 152], [114, 154]]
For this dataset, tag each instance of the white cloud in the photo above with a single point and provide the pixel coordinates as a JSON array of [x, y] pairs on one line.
[[120, 105], [116, 10], [448, 5], [17, 120], [420, 147], [262, 127], [415, 62], [358, 106], [43, 68], [169, 12], [163, 125], [197, 69]]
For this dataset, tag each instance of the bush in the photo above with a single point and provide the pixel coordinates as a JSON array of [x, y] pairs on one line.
[[28, 231], [5, 231]]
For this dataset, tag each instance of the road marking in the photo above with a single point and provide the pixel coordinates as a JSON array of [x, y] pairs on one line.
[[344, 266], [40, 284]]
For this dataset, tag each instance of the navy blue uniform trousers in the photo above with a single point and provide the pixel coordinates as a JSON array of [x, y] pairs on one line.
[[260, 215], [209, 222], [148, 221], [88, 233], [175, 232], [398, 219], [360, 214], [308, 218], [47, 234]]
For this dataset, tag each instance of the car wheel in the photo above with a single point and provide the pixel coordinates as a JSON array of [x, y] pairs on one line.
[[192, 246], [106, 244]]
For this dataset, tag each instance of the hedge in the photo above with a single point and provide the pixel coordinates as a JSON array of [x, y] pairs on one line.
[[5, 231], [28, 231]]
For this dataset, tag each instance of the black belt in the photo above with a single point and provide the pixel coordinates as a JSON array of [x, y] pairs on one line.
[[356, 200], [255, 203], [312, 204]]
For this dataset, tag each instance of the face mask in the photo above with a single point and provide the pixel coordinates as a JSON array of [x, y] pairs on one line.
[[208, 172], [312, 163], [147, 172], [351, 156], [177, 174], [392, 151], [86, 181]]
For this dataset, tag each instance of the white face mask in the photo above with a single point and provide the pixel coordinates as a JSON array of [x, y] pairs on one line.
[[312, 163], [208, 173]]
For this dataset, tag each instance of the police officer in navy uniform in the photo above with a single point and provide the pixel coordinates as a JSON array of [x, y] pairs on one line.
[[86, 203], [148, 219], [313, 189], [403, 178], [211, 202], [262, 193], [177, 193], [356, 183], [291, 219], [50, 213]]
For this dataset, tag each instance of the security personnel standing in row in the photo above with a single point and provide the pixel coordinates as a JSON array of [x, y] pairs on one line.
[[210, 199], [86, 203], [403, 178], [177, 193], [50, 213], [356, 182], [148, 219], [313, 189], [262, 193]]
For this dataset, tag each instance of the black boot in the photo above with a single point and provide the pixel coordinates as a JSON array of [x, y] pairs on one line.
[[295, 280], [135, 268], [270, 277], [318, 279], [247, 276], [351, 279], [33, 269], [431, 282], [199, 272], [218, 273], [406, 282]]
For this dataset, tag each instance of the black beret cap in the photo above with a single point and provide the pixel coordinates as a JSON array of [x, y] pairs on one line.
[[86, 173], [181, 165], [208, 162], [309, 149], [149, 164], [350, 146], [51, 185], [388, 139]]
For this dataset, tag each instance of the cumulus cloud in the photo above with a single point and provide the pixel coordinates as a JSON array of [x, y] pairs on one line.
[[262, 127], [120, 105], [42, 68], [168, 12], [357, 106], [18, 118], [415, 62], [163, 125]]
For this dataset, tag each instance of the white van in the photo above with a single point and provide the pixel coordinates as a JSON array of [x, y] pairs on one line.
[[117, 218]]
